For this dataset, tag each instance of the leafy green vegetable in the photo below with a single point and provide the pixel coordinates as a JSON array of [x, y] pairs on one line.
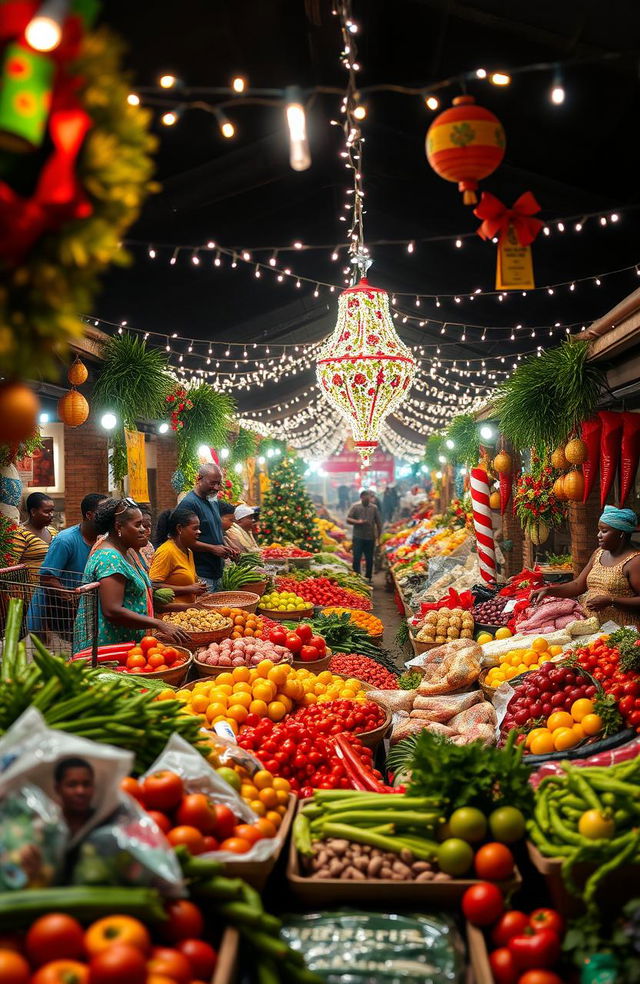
[[409, 681], [607, 707], [626, 642]]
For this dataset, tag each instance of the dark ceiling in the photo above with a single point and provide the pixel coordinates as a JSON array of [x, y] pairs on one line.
[[577, 158]]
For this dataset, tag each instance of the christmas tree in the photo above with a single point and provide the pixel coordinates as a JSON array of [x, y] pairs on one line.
[[287, 513]]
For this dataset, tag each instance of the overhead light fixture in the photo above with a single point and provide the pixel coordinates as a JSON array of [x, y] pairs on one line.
[[481, 73], [163, 427], [432, 103], [239, 84], [44, 30], [438, 474], [108, 420], [261, 459], [299, 153], [500, 78]]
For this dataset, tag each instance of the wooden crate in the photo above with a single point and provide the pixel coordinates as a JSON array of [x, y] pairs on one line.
[[478, 955], [257, 872], [226, 971], [616, 889]]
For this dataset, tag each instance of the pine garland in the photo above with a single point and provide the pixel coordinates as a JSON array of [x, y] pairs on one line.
[[287, 514], [205, 421], [463, 432]]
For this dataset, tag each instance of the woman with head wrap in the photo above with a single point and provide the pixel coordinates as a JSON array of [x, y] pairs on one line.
[[610, 582]]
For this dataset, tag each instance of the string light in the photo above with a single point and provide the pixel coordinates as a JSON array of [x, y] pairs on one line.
[[167, 81], [170, 118], [133, 99], [299, 153], [44, 30], [500, 78], [432, 103], [239, 84]]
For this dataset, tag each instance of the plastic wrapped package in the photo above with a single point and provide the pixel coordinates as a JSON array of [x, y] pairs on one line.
[[33, 839], [354, 947]]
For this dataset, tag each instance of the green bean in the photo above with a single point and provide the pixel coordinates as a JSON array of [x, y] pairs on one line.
[[560, 829], [625, 854]]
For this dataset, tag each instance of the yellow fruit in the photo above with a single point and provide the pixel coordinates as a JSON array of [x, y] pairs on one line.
[[484, 637], [269, 797], [248, 791], [215, 710], [224, 678], [225, 688], [309, 699], [258, 807], [281, 784], [554, 650], [511, 672], [592, 724], [276, 710], [564, 738], [262, 669], [272, 814], [540, 645], [530, 658], [240, 674], [503, 633], [263, 779], [278, 674], [282, 796], [580, 708], [236, 712], [578, 730], [258, 707], [522, 668], [242, 698], [242, 687], [199, 703], [533, 734], [264, 690], [559, 719], [544, 658], [515, 657], [283, 699], [542, 744]]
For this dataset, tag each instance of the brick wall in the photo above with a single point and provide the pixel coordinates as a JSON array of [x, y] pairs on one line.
[[85, 466], [511, 530], [583, 524], [166, 464]]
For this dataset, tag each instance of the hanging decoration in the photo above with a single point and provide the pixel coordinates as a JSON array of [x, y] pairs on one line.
[[610, 443], [536, 505], [137, 466], [19, 408], [483, 524], [590, 432], [63, 216], [515, 229], [73, 408], [629, 453], [78, 372], [465, 143], [199, 416]]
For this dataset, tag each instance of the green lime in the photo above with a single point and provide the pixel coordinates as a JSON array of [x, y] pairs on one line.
[[468, 823], [455, 856], [507, 824], [230, 776]]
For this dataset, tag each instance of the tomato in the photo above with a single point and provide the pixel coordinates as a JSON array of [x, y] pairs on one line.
[[225, 822], [503, 966], [247, 831], [132, 787], [468, 823], [185, 920], [162, 790], [595, 825], [304, 631], [160, 979], [162, 820], [237, 845], [511, 924], [201, 956], [197, 811], [62, 972], [117, 964], [319, 643], [308, 654], [210, 844], [293, 642], [191, 837], [541, 949], [156, 660], [14, 969], [547, 919], [483, 904], [172, 963], [170, 655], [540, 977], [507, 824], [278, 637], [147, 642], [116, 929], [494, 862], [54, 937]]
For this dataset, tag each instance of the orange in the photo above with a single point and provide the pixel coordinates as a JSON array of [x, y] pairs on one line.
[[263, 667], [269, 797], [592, 724], [263, 779], [309, 699], [215, 710], [542, 744], [238, 713], [258, 807], [281, 810], [232, 724], [276, 710], [533, 734], [266, 828], [225, 688], [278, 674], [240, 674], [293, 688], [564, 738], [242, 687], [239, 620], [218, 696], [540, 645], [225, 611], [264, 690], [283, 797], [271, 815], [248, 791], [281, 784], [555, 650], [224, 678], [580, 708], [559, 719], [241, 698], [258, 707], [578, 730], [288, 703], [248, 633], [199, 703]]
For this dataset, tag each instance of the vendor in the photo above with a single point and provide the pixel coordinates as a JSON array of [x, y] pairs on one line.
[[125, 605], [75, 786], [611, 579], [173, 565], [240, 536]]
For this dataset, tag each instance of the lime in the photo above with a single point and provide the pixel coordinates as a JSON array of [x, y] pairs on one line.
[[507, 824], [231, 777], [468, 823], [455, 856]]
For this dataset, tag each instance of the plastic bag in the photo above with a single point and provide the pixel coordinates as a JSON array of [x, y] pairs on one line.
[[198, 777], [225, 752], [33, 839]]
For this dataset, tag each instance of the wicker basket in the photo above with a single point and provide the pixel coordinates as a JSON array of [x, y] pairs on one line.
[[209, 670], [174, 676], [246, 601], [216, 635], [288, 616], [486, 690], [422, 647]]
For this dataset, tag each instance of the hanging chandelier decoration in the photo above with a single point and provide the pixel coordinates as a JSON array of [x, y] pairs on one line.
[[364, 370]]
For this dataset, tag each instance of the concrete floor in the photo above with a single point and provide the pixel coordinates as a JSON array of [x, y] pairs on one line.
[[384, 607]]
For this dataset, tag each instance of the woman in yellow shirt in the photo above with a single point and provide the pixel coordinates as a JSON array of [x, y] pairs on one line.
[[31, 541], [173, 565]]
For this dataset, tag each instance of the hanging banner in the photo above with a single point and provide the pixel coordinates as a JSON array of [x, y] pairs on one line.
[[137, 466]]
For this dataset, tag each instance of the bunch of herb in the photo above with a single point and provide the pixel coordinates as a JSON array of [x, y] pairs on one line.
[[626, 642], [465, 775], [607, 707]]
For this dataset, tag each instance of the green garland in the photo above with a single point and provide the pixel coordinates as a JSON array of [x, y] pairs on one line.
[[463, 432], [206, 421], [434, 447], [41, 297], [243, 447]]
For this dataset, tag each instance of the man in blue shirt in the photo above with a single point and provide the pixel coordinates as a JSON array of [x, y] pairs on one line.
[[210, 550]]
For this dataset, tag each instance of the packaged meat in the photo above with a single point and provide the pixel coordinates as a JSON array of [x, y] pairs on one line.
[[457, 672]]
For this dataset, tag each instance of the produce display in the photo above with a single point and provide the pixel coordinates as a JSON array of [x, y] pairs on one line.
[[342, 635], [353, 665], [322, 592], [364, 620], [244, 623], [151, 656], [301, 642], [241, 575], [614, 661], [343, 578], [491, 612], [517, 661], [445, 624], [547, 690], [281, 551], [198, 620], [242, 652], [283, 601]]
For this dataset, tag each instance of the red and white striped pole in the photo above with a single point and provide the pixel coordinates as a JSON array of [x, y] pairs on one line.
[[483, 524]]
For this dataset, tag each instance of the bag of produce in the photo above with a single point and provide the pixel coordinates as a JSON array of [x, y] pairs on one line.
[[369, 947], [33, 839]]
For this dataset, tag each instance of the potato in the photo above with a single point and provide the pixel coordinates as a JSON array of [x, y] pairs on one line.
[[374, 867], [425, 876]]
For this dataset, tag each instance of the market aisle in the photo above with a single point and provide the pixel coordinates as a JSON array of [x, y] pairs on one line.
[[384, 607]]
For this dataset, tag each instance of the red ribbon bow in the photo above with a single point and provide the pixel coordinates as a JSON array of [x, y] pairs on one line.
[[452, 600], [497, 218]]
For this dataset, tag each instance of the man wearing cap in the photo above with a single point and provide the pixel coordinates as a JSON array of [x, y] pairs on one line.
[[240, 535]]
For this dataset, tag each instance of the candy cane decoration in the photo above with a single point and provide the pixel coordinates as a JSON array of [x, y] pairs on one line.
[[483, 524]]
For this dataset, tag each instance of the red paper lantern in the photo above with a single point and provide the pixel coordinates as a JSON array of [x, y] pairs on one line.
[[465, 144]]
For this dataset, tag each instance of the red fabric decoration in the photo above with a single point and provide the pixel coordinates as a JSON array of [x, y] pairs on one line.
[[451, 600], [629, 453], [497, 218], [591, 430], [505, 491], [610, 442]]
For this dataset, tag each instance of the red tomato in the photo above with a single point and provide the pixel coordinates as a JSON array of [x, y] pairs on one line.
[[162, 820], [189, 836], [278, 637], [237, 845], [132, 787], [293, 642], [162, 790], [540, 977], [134, 661], [224, 823], [197, 811], [247, 831], [148, 642], [117, 964], [156, 660], [308, 654], [201, 956], [185, 920], [172, 963], [319, 643], [511, 924], [14, 969], [171, 655], [547, 919], [503, 966], [210, 844], [304, 631], [103, 933], [54, 937], [494, 862], [541, 949], [61, 972], [483, 904]]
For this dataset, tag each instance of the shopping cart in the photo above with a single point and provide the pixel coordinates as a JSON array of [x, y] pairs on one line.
[[64, 618]]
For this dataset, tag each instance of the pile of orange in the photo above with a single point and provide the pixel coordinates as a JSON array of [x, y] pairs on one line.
[[565, 730], [364, 620], [245, 624], [266, 794]]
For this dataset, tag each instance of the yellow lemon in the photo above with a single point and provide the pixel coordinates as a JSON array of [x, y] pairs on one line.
[[483, 638], [503, 633]]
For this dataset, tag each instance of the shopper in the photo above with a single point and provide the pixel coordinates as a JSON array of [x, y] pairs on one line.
[[173, 565], [227, 518], [74, 783], [611, 579], [125, 604], [31, 541], [210, 550], [147, 551], [240, 535], [69, 551], [367, 526], [389, 504]]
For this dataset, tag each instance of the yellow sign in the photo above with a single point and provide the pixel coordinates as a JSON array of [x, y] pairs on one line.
[[137, 466], [514, 270]]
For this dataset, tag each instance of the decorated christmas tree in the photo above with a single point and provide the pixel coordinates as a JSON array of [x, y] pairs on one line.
[[287, 513]]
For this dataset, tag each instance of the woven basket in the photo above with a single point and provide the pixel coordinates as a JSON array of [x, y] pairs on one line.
[[216, 635], [247, 601], [175, 675], [208, 670], [486, 690], [288, 616]]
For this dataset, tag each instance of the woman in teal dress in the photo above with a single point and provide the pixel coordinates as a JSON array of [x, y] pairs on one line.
[[125, 603]]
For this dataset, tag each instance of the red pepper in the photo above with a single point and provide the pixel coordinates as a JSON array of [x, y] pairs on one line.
[[360, 777]]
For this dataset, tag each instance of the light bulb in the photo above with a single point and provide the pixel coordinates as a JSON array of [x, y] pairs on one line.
[[163, 427], [481, 73], [44, 31], [167, 81], [450, 444], [108, 421], [133, 99], [299, 153], [239, 84], [43, 418], [360, 113], [169, 118], [557, 95], [487, 433], [224, 453], [204, 451], [237, 468], [261, 459], [432, 103], [438, 474], [442, 459], [228, 130], [463, 471], [500, 78]]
